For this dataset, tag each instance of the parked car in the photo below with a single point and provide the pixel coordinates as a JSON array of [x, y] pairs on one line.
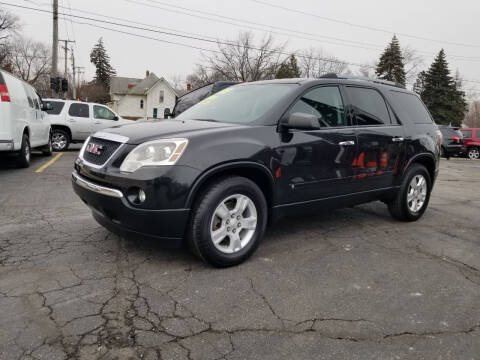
[[23, 124], [452, 141], [471, 139], [74, 121], [258, 151], [195, 96]]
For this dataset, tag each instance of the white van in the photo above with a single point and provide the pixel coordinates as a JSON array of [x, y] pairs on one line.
[[23, 123], [74, 121]]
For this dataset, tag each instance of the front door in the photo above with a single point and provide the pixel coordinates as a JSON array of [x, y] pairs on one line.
[[79, 121], [380, 139], [155, 113], [316, 164], [103, 118]]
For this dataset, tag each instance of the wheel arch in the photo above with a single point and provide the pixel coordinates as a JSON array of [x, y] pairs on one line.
[[256, 172], [62, 127], [425, 159]]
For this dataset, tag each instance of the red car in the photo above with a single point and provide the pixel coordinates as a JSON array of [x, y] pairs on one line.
[[471, 140]]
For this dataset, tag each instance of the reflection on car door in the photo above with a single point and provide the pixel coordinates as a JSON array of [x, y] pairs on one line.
[[103, 118], [78, 118], [380, 139], [317, 163]]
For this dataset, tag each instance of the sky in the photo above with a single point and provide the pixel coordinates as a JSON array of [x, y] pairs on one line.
[[357, 34]]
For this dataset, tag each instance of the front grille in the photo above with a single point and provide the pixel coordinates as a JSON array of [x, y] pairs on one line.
[[104, 147]]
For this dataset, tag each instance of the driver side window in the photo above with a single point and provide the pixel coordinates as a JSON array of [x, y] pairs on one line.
[[101, 112], [325, 103]]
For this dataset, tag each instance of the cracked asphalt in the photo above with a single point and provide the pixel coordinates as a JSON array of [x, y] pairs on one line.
[[348, 284]]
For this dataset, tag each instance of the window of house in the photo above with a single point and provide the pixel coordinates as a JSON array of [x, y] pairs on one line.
[[141, 104], [161, 97], [370, 107], [323, 102]]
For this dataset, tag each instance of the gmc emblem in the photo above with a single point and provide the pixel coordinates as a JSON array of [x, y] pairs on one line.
[[94, 148]]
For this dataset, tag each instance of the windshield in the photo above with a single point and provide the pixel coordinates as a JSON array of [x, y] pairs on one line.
[[240, 104]]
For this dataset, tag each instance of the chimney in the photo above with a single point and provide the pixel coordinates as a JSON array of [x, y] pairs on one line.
[[148, 73], [189, 87]]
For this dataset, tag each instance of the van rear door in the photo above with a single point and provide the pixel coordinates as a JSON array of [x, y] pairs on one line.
[[5, 126]]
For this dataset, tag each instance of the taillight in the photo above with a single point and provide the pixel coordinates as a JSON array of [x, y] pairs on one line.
[[456, 139], [4, 95], [439, 133]]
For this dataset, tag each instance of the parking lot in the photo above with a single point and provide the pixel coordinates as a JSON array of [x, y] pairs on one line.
[[351, 284]]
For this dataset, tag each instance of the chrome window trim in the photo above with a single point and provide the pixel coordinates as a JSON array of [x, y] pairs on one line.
[[95, 188]]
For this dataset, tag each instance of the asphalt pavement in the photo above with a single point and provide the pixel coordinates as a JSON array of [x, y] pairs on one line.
[[347, 284]]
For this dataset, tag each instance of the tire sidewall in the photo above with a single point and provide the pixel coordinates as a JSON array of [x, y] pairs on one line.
[[203, 237], [67, 143], [414, 171], [23, 160]]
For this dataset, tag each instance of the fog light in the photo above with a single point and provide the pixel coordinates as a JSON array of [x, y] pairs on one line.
[[141, 195]]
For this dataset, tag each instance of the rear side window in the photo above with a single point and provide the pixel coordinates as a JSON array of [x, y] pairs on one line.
[[467, 133], [79, 110], [57, 107], [192, 98], [411, 108], [370, 107]]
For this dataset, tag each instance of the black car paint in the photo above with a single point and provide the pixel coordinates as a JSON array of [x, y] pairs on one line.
[[298, 170]]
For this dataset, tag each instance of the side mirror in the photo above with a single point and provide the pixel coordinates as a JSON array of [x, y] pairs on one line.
[[302, 121], [46, 106], [167, 113], [115, 118]]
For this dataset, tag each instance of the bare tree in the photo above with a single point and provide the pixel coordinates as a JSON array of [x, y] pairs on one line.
[[9, 24], [315, 63], [30, 59], [241, 60], [413, 62], [473, 116]]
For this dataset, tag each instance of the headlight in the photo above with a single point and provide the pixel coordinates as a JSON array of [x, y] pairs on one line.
[[154, 153]]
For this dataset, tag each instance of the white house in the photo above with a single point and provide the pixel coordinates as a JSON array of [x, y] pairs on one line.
[[141, 98]]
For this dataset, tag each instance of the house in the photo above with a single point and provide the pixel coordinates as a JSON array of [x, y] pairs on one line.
[[141, 98]]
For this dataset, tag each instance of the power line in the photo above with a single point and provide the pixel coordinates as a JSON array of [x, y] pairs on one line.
[[347, 42], [362, 26], [279, 52]]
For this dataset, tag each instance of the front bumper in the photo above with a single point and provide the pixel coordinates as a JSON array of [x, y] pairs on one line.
[[112, 210]]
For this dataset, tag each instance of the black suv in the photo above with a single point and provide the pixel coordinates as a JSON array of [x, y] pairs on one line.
[[254, 152], [452, 141]]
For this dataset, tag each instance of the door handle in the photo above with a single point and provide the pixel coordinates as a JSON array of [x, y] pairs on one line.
[[397, 139], [71, 120], [346, 143], [97, 122]]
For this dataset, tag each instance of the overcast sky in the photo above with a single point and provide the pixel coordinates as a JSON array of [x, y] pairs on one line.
[[452, 23]]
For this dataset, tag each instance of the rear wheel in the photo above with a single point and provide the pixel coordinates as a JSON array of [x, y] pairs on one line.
[[414, 195], [473, 153], [47, 149], [25, 153], [228, 222], [60, 140]]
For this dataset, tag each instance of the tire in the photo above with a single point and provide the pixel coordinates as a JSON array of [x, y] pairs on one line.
[[47, 149], [240, 237], [400, 207], [25, 153], [60, 140], [473, 153]]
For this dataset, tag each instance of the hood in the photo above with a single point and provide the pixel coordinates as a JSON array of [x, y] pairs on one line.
[[140, 132]]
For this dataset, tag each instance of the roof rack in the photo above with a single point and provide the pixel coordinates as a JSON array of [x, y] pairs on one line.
[[361, 78]]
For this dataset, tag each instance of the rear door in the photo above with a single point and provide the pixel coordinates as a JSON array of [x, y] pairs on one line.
[[33, 122], [79, 120], [380, 139], [103, 118]]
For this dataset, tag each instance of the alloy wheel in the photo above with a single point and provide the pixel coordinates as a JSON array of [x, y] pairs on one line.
[[233, 223], [474, 154], [417, 193], [59, 141]]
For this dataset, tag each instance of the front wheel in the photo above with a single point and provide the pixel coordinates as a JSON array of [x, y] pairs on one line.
[[474, 153], [414, 195], [228, 222]]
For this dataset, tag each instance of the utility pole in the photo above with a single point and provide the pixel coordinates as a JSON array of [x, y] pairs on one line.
[[74, 87], [66, 55], [79, 72], [55, 45]]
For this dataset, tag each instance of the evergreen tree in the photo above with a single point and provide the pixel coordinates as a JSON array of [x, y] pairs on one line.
[[391, 66], [442, 94], [288, 69], [101, 60]]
